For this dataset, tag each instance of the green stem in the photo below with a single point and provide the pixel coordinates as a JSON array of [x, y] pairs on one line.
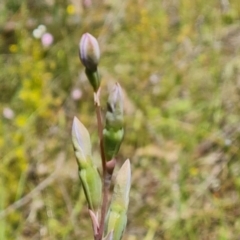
[[106, 177], [100, 129]]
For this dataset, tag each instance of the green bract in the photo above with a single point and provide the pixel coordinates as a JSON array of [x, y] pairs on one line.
[[112, 141], [89, 176], [117, 213]]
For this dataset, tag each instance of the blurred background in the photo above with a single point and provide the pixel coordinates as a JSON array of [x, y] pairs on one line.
[[179, 66]]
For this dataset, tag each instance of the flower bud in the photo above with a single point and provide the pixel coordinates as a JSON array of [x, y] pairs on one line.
[[89, 52], [122, 186], [113, 131], [81, 142], [117, 213], [88, 174], [114, 115]]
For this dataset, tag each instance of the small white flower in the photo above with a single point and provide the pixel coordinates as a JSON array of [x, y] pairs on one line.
[[42, 28], [37, 33]]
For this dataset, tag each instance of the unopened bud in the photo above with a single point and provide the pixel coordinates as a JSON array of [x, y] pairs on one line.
[[89, 51], [81, 142], [114, 115], [113, 131], [122, 186], [117, 213], [88, 174]]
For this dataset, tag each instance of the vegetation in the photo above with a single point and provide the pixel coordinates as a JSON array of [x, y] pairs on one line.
[[178, 65]]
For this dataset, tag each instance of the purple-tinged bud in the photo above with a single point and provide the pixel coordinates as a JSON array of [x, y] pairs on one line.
[[114, 115], [89, 52], [117, 214], [113, 131]]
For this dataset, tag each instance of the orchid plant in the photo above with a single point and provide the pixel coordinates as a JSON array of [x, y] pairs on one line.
[[108, 216]]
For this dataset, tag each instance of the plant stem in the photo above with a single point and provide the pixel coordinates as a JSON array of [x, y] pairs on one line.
[[105, 176], [100, 129], [106, 188]]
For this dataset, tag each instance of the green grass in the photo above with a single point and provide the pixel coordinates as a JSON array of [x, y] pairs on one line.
[[178, 63]]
